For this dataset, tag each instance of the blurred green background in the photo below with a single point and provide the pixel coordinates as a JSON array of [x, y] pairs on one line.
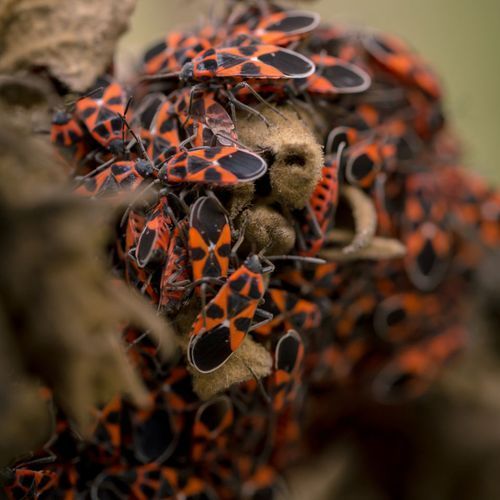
[[460, 38]]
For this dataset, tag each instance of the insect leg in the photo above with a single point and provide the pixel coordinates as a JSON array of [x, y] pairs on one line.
[[246, 85], [249, 109], [265, 317]]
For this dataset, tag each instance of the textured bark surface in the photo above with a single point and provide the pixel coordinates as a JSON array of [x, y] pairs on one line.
[[74, 40]]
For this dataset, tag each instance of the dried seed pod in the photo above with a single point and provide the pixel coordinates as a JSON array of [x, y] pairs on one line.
[[294, 157]]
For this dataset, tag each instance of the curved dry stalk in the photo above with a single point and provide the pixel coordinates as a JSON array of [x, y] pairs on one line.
[[365, 219], [379, 248]]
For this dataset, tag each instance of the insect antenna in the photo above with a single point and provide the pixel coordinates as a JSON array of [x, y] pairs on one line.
[[98, 170], [297, 258], [159, 76]]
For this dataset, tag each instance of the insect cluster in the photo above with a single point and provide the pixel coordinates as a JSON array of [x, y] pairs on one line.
[[397, 225]]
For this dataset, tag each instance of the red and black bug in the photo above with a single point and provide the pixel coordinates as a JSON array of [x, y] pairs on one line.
[[154, 431], [102, 112], [211, 421], [394, 55], [288, 360], [425, 232], [254, 61], [414, 368], [176, 274], [221, 327], [359, 155], [334, 76], [205, 119], [117, 177], [107, 435], [172, 53], [209, 239], [159, 130], [363, 162], [67, 135], [320, 281], [219, 166], [404, 316], [321, 209], [154, 239], [134, 275], [289, 312], [278, 28], [248, 62]]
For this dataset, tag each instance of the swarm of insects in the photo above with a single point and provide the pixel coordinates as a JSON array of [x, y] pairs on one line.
[[368, 298]]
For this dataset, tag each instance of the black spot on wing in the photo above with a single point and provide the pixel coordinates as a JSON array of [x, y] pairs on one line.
[[212, 175], [344, 76], [208, 218], [360, 167], [227, 60], [109, 186], [298, 320], [211, 268], [119, 169], [248, 50], [211, 153], [167, 125], [195, 164], [249, 69], [155, 50], [207, 65], [254, 292], [208, 53], [102, 131], [235, 304], [128, 181], [179, 172], [88, 112], [147, 114], [213, 413], [243, 165], [74, 136], [154, 437], [286, 356], [290, 301], [395, 316], [294, 23], [224, 250], [144, 246], [115, 100], [427, 259], [242, 324], [214, 311], [27, 481], [289, 63], [237, 284], [210, 350], [116, 124], [105, 114], [197, 253]]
